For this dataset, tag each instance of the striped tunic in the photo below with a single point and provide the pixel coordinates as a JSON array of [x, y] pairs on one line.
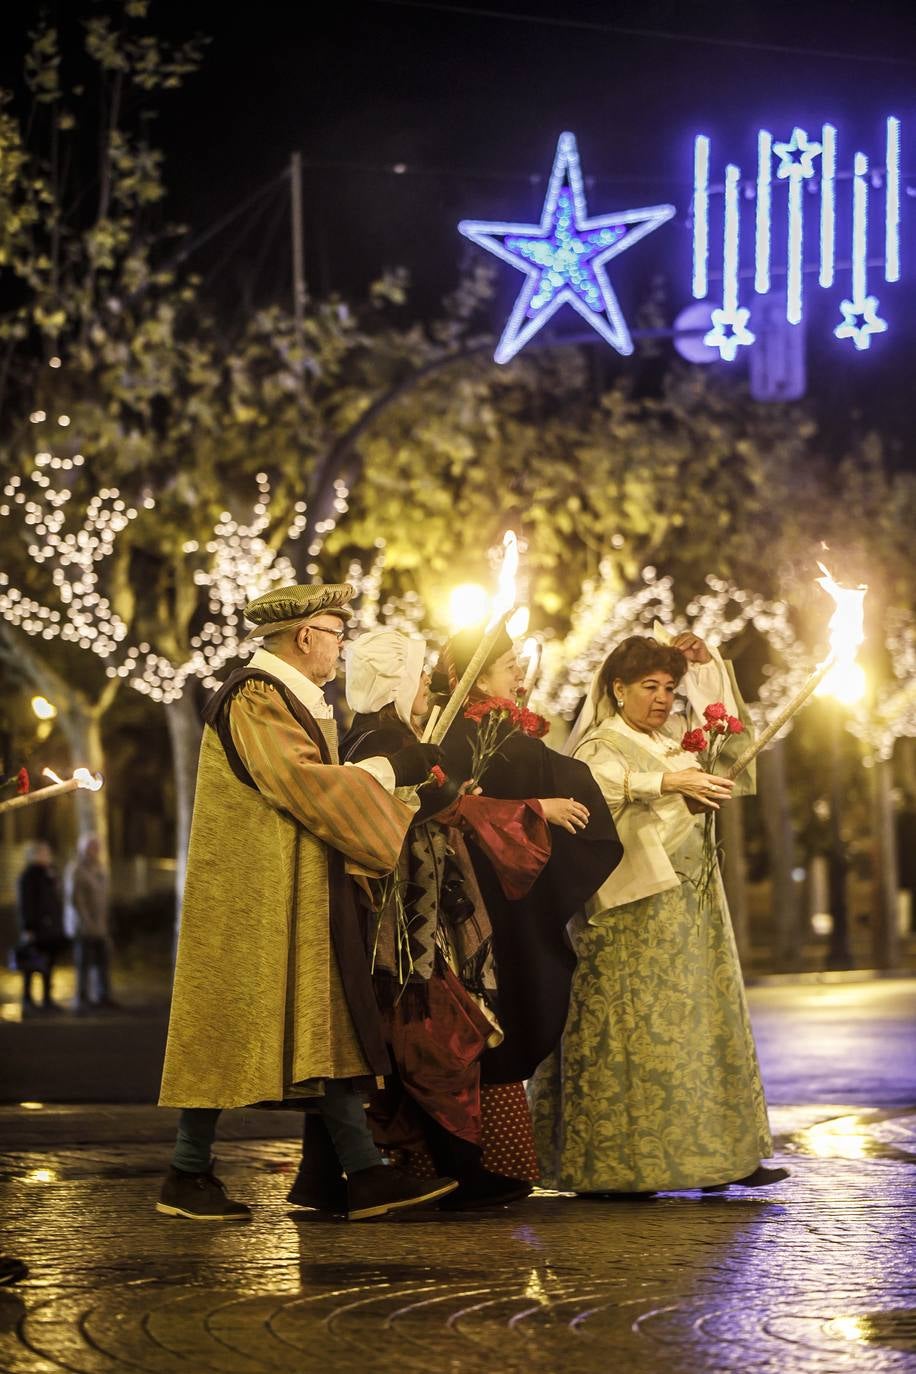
[[258, 1009]]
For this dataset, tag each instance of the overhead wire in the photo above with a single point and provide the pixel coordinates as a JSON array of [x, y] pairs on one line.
[[627, 31]]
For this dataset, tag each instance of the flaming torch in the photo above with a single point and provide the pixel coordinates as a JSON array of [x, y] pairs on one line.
[[839, 674], [82, 778], [503, 603]]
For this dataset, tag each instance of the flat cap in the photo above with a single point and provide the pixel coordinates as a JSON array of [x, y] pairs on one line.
[[283, 607]]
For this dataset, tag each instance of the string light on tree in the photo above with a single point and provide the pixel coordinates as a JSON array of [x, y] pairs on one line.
[[239, 561]]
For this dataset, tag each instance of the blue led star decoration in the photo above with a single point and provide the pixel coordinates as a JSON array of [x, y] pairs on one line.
[[796, 158], [860, 321], [563, 258], [729, 332]]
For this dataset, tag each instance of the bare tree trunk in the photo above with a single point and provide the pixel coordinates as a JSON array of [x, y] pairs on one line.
[[734, 873], [185, 730], [82, 726], [885, 936], [777, 819]]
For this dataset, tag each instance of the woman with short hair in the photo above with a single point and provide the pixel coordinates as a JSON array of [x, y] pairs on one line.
[[656, 1084]]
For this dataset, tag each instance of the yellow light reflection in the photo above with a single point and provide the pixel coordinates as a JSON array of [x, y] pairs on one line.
[[42, 1176], [845, 1137], [43, 709], [32, 1106], [848, 1328]]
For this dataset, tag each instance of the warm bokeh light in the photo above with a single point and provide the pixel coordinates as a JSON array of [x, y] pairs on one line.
[[468, 605], [43, 709]]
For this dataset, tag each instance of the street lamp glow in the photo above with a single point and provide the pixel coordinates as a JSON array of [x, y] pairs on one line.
[[468, 605], [43, 709]]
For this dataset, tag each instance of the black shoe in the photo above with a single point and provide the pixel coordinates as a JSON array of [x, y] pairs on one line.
[[11, 1270], [200, 1197], [319, 1194], [485, 1190], [381, 1189], [607, 1195], [762, 1177]]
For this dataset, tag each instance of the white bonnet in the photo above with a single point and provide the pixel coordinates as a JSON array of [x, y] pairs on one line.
[[384, 666]]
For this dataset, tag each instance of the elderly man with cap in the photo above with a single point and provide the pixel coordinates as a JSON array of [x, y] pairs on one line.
[[272, 1001]]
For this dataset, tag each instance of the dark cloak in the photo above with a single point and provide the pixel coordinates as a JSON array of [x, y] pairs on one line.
[[534, 958]]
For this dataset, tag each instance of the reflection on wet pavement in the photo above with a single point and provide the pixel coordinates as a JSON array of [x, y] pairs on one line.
[[813, 1274]]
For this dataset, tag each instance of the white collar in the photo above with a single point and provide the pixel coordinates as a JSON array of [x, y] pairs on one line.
[[663, 742], [306, 691]]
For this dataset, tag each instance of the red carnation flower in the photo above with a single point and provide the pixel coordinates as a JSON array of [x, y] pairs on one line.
[[437, 776], [735, 726], [530, 723], [694, 741], [22, 782], [715, 711], [501, 705]]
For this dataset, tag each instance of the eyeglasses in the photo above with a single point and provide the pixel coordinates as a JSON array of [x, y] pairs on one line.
[[340, 635]]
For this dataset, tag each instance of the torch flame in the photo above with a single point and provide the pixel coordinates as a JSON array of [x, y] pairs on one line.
[[846, 680], [504, 599]]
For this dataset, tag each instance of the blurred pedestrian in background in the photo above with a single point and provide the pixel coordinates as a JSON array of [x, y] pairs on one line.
[[86, 912], [41, 926]]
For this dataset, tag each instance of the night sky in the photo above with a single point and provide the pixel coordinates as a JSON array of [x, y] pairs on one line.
[[471, 99]]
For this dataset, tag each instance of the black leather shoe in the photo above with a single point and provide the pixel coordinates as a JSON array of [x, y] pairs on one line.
[[319, 1195], [199, 1197], [606, 1195], [762, 1177], [382, 1189], [485, 1190], [11, 1270]]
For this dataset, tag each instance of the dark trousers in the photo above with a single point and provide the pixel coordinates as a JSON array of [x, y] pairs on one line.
[[48, 952], [91, 952]]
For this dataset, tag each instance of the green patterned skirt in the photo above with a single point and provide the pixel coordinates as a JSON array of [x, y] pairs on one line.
[[656, 1083]]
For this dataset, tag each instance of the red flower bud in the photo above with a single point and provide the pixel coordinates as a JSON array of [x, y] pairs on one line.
[[22, 782], [437, 776], [694, 741], [735, 726], [715, 711]]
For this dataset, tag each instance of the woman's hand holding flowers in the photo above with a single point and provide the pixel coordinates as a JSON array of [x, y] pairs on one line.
[[708, 789]]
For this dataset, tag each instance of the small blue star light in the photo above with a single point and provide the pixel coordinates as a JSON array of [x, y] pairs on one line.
[[563, 257], [729, 332], [860, 321], [796, 158]]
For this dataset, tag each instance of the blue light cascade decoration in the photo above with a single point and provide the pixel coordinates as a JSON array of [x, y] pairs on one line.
[[801, 160], [563, 258]]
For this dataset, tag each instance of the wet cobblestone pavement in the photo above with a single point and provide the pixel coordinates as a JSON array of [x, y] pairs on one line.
[[815, 1274]]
